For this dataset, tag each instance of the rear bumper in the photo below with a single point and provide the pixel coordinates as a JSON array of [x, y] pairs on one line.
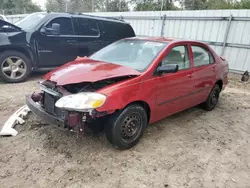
[[48, 118]]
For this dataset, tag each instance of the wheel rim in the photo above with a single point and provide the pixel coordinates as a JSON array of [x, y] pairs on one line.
[[131, 128], [14, 67], [214, 98]]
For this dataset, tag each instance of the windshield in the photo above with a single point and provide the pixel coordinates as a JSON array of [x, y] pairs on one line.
[[30, 21], [133, 53]]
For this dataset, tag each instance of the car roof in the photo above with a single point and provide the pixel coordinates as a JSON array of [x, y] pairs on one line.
[[165, 39], [77, 15]]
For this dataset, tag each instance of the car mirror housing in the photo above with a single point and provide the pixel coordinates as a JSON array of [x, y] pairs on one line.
[[54, 30], [167, 68]]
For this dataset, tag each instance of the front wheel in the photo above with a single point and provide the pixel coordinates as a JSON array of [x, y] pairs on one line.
[[212, 99], [126, 127], [14, 66]]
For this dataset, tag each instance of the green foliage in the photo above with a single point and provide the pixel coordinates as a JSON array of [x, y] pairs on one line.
[[243, 4], [216, 4], [150, 5], [86, 5], [117, 5], [195, 4], [18, 6]]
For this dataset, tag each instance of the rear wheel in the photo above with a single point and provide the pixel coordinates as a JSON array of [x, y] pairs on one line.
[[212, 99], [126, 127], [14, 66]]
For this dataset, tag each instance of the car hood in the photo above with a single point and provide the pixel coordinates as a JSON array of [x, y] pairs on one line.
[[87, 70], [9, 25]]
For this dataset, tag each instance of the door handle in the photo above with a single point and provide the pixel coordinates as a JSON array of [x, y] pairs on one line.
[[71, 41], [190, 75]]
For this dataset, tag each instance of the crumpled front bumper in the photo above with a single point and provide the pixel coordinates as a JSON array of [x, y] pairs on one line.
[[42, 114]]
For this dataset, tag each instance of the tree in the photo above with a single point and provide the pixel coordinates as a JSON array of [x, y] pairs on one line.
[[219, 4], [243, 4], [72, 5], [18, 7], [215, 4], [194, 4], [117, 6], [151, 5], [56, 5]]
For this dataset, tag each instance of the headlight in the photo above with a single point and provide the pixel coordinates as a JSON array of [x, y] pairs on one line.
[[81, 102]]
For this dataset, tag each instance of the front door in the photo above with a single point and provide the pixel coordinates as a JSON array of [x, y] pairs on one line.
[[175, 90], [56, 50]]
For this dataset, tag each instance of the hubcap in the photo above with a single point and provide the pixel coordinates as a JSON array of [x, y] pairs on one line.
[[131, 127], [14, 67]]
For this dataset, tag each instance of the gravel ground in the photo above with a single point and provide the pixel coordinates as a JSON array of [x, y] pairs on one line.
[[192, 149]]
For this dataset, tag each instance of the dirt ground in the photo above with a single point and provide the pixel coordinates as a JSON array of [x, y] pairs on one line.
[[192, 149]]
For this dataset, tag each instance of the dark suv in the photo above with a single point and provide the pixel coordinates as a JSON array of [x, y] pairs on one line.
[[45, 41]]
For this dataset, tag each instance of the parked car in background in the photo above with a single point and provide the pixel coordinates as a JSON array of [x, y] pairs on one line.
[[45, 41], [130, 84]]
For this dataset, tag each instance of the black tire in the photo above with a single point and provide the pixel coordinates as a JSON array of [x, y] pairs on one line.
[[131, 119], [25, 65], [212, 99]]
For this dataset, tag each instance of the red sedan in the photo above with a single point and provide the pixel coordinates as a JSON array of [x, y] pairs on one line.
[[130, 84]]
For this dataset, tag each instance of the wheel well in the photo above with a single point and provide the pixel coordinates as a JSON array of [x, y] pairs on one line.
[[220, 84], [144, 105], [21, 50]]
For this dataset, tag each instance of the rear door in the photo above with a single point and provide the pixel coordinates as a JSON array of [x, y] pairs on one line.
[[175, 90], [204, 71], [56, 50], [89, 38]]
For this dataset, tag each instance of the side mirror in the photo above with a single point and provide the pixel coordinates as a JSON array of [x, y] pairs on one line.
[[167, 68], [54, 30]]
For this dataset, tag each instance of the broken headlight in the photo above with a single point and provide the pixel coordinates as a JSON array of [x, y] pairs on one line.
[[81, 102]]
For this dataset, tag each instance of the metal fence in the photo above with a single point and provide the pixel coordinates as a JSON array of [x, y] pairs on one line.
[[227, 31]]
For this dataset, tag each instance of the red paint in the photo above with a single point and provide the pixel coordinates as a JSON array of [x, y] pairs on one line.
[[87, 70], [165, 94]]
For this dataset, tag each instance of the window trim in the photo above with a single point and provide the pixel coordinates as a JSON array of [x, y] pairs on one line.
[[210, 54], [89, 36], [188, 51]]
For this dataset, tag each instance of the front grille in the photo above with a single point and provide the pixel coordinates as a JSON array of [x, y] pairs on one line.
[[49, 105]]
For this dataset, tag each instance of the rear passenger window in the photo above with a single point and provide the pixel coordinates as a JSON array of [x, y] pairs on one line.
[[117, 30], [66, 27], [87, 27], [178, 55], [201, 56]]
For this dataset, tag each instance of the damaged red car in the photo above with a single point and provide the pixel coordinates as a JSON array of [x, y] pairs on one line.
[[129, 84]]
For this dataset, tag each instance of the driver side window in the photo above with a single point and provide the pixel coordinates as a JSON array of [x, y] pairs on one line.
[[178, 55], [66, 27]]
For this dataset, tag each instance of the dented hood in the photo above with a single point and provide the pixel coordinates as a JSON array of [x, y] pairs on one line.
[[87, 70]]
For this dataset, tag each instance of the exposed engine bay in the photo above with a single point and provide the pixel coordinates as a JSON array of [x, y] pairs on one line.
[[91, 87]]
